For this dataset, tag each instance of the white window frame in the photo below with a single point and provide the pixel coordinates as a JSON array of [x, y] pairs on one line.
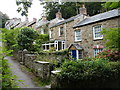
[[79, 35], [60, 30], [63, 44], [95, 38], [50, 33], [97, 50], [77, 51], [56, 45]]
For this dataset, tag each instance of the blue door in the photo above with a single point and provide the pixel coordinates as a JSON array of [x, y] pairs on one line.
[[74, 54]]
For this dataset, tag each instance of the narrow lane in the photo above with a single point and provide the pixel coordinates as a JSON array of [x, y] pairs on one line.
[[16, 70]]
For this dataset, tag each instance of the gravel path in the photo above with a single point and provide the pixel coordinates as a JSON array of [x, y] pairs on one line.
[[27, 81]]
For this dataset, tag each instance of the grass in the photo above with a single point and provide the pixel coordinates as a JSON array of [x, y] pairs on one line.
[[39, 82]]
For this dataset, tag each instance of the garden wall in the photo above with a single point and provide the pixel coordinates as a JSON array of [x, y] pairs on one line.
[[40, 63]]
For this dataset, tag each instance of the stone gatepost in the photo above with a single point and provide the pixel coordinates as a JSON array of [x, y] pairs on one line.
[[19, 57], [54, 79], [29, 60], [23, 55], [43, 70]]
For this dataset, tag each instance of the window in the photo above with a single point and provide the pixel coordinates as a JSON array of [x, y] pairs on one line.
[[50, 33], [96, 32], [42, 31], [63, 45], [79, 54], [97, 50], [77, 35], [61, 31]]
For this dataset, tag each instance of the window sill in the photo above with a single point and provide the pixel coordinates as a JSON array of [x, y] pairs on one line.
[[98, 39], [78, 41]]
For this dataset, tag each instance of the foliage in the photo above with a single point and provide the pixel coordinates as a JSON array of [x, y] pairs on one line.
[[39, 40], [10, 37], [6, 77], [69, 9], [62, 52], [26, 37], [25, 5], [109, 54], [111, 5], [72, 8], [82, 72], [112, 38]]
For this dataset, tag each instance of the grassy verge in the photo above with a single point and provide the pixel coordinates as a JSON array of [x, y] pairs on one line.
[[37, 80]]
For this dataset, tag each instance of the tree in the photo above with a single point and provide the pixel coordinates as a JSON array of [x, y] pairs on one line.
[[25, 5], [10, 37], [26, 37], [111, 5], [68, 9], [112, 38]]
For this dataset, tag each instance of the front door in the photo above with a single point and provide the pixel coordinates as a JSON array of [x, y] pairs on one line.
[[74, 54]]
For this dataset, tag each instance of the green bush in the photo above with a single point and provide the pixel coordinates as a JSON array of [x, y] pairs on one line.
[[7, 80], [92, 73], [10, 38], [26, 37], [112, 38]]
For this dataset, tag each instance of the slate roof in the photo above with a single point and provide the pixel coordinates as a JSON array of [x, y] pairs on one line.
[[30, 23], [99, 17], [65, 21], [41, 23], [77, 46]]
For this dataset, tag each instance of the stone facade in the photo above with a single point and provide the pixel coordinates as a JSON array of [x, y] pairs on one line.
[[87, 41]]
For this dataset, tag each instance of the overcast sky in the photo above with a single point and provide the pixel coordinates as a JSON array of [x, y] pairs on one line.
[[9, 7]]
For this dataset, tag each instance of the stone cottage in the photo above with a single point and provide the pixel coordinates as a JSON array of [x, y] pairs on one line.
[[81, 33], [61, 32], [17, 23], [42, 25], [87, 33]]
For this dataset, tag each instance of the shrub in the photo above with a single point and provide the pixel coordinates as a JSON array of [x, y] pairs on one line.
[[26, 38], [91, 73], [109, 54], [10, 38], [112, 38]]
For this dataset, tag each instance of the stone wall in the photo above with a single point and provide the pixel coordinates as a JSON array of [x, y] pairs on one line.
[[40, 66]]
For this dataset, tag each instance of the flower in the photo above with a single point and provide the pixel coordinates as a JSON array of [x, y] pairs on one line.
[[116, 51], [108, 50], [116, 55], [108, 55]]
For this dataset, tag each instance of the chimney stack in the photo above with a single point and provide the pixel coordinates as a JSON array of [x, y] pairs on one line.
[[34, 19], [58, 14], [44, 18], [83, 10]]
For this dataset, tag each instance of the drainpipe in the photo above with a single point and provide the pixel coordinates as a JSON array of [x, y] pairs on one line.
[[65, 35]]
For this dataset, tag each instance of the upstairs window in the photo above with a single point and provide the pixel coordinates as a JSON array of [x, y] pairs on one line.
[[78, 35], [96, 32], [61, 31], [51, 33]]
